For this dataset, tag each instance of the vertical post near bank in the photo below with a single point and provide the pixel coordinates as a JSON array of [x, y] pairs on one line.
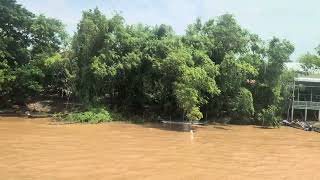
[[292, 107], [305, 113]]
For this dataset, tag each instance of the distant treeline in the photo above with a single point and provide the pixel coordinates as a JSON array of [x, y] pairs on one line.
[[217, 68]]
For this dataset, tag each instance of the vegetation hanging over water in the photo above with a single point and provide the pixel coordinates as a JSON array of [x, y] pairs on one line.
[[95, 115], [216, 69]]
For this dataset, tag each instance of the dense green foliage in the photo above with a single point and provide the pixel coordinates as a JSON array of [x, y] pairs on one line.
[[311, 62], [25, 40], [243, 104], [269, 117], [96, 115], [217, 67]]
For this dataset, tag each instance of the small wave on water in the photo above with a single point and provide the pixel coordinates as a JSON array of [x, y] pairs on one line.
[[37, 149]]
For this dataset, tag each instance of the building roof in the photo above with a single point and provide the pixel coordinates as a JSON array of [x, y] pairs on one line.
[[307, 79]]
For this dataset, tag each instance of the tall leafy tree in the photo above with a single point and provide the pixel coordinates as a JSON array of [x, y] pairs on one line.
[[25, 40], [15, 24], [217, 66]]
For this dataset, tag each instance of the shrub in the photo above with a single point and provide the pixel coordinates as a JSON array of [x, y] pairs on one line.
[[95, 115], [269, 118], [243, 104], [194, 114]]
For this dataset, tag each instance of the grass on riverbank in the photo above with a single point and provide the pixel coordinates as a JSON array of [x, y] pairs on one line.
[[97, 115], [92, 115]]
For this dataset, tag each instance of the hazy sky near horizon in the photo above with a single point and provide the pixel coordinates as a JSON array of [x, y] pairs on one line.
[[295, 20]]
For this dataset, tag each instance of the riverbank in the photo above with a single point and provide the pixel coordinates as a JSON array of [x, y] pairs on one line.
[[40, 149]]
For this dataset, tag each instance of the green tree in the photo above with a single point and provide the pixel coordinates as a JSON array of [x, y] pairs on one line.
[[25, 39], [196, 83], [15, 23], [48, 35], [268, 93], [243, 105], [217, 66], [310, 62], [219, 36]]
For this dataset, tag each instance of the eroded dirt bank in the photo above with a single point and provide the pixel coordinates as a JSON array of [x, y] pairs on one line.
[[37, 149]]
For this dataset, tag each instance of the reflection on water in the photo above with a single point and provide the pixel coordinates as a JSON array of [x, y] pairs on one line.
[[170, 127], [36, 149]]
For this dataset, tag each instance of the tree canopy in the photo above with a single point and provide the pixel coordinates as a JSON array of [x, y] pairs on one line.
[[216, 67]]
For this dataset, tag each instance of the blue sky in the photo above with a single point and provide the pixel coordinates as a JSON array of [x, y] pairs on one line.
[[295, 20]]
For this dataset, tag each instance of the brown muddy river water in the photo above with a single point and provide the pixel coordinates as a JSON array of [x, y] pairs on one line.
[[39, 149]]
